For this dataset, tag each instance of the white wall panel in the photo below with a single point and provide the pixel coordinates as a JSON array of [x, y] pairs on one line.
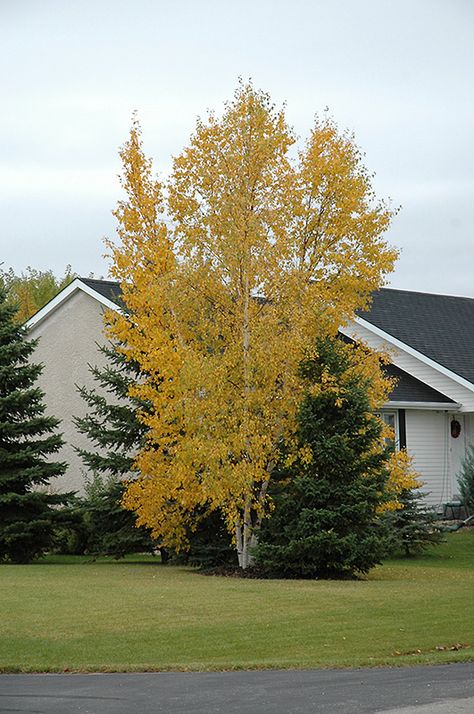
[[427, 442]]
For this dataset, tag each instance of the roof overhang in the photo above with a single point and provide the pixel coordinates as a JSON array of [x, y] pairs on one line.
[[65, 294], [434, 406], [409, 350]]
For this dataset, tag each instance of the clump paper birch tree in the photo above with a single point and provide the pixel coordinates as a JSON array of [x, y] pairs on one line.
[[230, 273]]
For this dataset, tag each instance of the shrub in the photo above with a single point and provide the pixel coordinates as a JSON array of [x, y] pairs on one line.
[[210, 544], [97, 524], [412, 527], [466, 480]]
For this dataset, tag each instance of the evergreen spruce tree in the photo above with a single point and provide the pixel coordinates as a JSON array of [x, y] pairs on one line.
[[27, 438], [116, 433], [110, 528], [413, 527], [325, 522], [111, 424]]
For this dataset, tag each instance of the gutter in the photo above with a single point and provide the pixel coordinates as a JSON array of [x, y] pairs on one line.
[[438, 406]]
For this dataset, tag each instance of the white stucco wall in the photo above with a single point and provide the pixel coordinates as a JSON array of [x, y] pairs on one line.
[[67, 345]]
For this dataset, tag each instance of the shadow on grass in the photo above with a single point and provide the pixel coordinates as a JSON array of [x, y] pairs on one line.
[[100, 560]]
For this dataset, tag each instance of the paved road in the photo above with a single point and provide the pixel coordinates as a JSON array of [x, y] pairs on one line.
[[421, 690]]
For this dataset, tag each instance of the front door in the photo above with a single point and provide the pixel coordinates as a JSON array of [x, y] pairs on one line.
[[457, 448]]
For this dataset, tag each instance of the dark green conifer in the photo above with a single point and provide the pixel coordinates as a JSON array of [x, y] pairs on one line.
[[111, 424], [466, 480], [109, 528], [325, 523], [27, 439], [413, 527], [116, 433]]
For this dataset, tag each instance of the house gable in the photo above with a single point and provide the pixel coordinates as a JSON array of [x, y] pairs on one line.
[[439, 327], [68, 339], [78, 284], [430, 337], [418, 366], [409, 391]]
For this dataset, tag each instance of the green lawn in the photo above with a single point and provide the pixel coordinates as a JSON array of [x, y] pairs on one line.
[[68, 614]]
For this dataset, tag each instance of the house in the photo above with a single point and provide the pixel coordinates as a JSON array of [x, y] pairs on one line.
[[69, 329], [430, 340]]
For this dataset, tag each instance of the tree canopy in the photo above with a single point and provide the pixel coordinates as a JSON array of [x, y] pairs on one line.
[[28, 442], [230, 272], [33, 288]]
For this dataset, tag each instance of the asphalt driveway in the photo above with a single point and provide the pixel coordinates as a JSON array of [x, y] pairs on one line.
[[422, 690]]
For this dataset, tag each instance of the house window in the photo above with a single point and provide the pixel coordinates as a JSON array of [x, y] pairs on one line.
[[391, 419]]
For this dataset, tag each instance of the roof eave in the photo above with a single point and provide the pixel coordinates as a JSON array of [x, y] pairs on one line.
[[62, 296], [414, 353], [437, 406]]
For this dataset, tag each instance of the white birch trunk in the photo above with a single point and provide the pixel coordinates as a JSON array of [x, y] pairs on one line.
[[246, 539]]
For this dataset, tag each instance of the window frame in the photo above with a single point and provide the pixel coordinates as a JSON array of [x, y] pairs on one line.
[[396, 426]]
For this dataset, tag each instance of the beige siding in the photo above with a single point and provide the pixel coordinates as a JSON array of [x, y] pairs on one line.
[[67, 344]]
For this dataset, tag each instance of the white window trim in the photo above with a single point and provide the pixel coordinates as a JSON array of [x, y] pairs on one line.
[[383, 410]]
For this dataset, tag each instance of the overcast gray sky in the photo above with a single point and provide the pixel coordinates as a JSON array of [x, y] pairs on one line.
[[399, 73]]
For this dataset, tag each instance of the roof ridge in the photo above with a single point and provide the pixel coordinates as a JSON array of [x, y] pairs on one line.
[[384, 289], [424, 292], [100, 280]]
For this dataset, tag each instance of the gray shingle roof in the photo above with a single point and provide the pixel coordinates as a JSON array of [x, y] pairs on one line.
[[407, 387], [439, 326], [410, 389], [109, 289]]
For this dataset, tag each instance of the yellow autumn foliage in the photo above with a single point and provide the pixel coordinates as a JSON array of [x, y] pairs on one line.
[[229, 274], [403, 476]]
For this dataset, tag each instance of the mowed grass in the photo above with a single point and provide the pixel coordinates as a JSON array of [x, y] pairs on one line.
[[70, 614]]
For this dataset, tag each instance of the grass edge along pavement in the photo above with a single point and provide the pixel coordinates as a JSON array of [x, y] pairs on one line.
[[67, 614]]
